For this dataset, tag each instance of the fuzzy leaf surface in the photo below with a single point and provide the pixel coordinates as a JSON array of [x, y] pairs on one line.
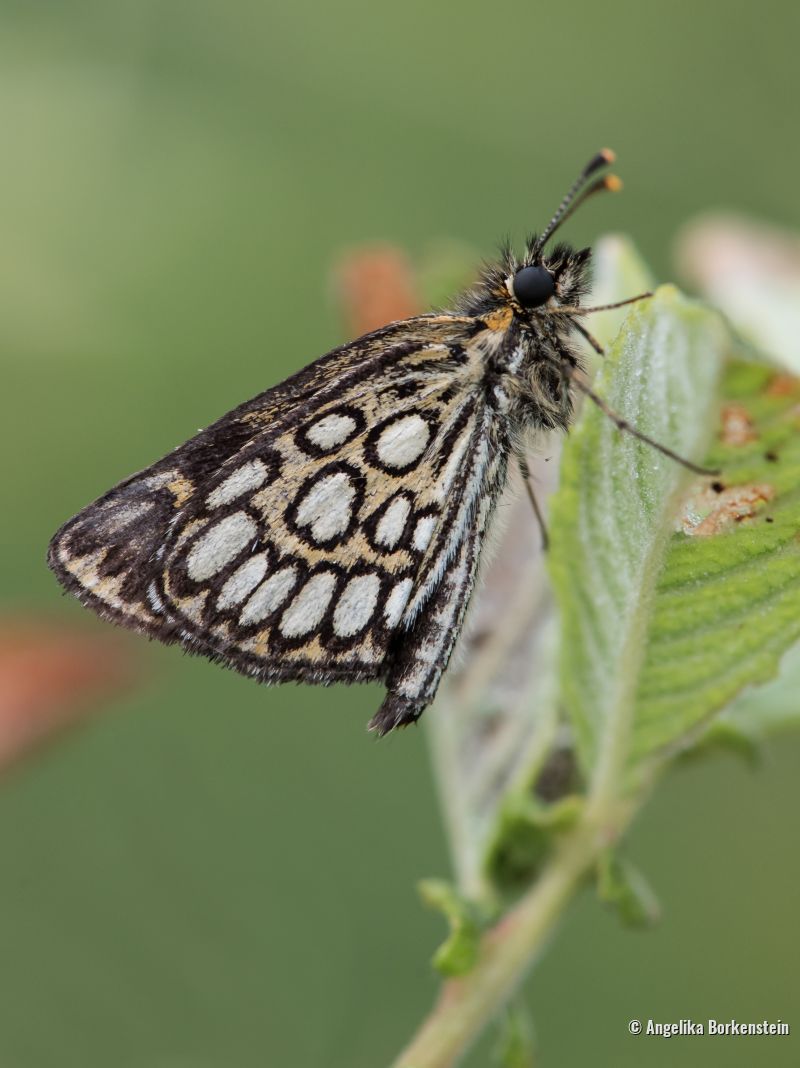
[[612, 517], [727, 605]]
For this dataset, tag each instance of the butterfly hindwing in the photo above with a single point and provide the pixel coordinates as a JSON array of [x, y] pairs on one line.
[[418, 658]]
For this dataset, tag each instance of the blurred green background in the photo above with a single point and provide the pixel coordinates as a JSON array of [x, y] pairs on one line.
[[215, 874]]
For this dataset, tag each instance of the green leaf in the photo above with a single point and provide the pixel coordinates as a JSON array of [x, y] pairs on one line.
[[495, 722], [524, 836], [458, 953], [725, 737], [728, 604], [516, 1042], [611, 516], [624, 888], [766, 709], [619, 273], [663, 628]]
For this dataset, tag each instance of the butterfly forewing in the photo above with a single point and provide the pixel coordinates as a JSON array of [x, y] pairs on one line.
[[325, 528]]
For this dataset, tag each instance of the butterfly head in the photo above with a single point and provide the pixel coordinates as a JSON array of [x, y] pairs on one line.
[[545, 281], [544, 278], [561, 274]]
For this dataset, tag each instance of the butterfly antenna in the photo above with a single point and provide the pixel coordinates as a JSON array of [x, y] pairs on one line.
[[572, 200], [576, 309], [525, 471]]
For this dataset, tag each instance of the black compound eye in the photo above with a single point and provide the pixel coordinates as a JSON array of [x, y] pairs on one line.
[[533, 286]]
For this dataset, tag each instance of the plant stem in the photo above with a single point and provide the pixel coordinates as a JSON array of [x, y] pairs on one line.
[[509, 949]]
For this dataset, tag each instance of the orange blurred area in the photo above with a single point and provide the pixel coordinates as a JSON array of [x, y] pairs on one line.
[[53, 676], [375, 286]]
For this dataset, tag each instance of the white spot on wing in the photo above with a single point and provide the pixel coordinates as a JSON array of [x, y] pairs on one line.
[[403, 441], [243, 581], [269, 596], [327, 506], [392, 522], [220, 544], [356, 605], [396, 602], [307, 609], [331, 431], [423, 532], [247, 477], [120, 517]]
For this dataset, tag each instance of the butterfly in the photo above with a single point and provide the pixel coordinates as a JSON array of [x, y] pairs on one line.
[[331, 529]]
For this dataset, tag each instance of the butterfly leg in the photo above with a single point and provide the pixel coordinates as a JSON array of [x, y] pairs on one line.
[[525, 471], [589, 338], [623, 424], [423, 652]]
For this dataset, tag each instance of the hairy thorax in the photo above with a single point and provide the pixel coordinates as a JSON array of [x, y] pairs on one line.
[[527, 373]]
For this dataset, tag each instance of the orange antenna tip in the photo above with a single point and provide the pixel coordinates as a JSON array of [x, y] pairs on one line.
[[575, 197]]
